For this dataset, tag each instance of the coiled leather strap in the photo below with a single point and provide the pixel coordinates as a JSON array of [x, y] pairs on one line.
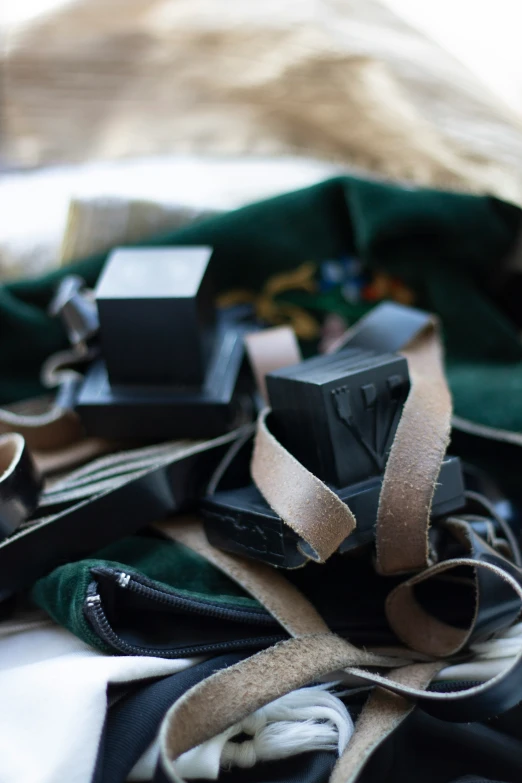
[[20, 483]]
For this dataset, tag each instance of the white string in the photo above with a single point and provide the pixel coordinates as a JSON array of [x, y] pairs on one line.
[[489, 656], [304, 720], [308, 719], [506, 645]]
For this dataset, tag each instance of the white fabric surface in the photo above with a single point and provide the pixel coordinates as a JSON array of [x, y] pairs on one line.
[[54, 697], [34, 204]]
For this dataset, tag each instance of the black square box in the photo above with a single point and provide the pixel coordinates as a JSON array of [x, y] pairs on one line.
[[337, 414], [160, 411], [156, 314]]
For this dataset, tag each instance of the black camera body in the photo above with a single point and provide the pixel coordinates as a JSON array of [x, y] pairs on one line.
[[337, 414], [172, 365]]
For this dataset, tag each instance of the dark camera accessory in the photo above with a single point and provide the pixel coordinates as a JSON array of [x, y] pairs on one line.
[[337, 414], [107, 499], [172, 364], [20, 483]]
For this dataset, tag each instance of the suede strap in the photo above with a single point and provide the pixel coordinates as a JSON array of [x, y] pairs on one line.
[[381, 715], [278, 596], [232, 694], [269, 350], [415, 460], [484, 700], [318, 516]]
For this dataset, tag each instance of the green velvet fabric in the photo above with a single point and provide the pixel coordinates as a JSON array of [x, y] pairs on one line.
[[444, 246], [170, 565]]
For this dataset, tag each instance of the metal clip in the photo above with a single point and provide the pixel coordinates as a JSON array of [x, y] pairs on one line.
[[73, 302]]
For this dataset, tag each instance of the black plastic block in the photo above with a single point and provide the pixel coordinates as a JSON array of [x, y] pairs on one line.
[[241, 521], [156, 315], [160, 412], [338, 414]]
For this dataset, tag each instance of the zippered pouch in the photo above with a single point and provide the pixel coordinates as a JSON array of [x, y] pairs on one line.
[[145, 596]]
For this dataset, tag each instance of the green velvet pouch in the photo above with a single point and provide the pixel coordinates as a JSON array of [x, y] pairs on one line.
[[146, 596]]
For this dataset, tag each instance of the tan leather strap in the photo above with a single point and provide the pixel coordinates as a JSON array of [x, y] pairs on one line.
[[415, 459], [48, 423], [380, 716], [304, 502], [284, 601], [383, 712], [269, 350], [289, 662], [52, 461], [231, 694], [421, 438], [315, 513], [423, 631], [53, 431]]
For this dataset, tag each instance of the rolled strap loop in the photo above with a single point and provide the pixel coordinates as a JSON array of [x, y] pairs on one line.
[[20, 483], [318, 516]]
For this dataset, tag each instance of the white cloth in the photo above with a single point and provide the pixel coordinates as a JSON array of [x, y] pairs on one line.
[[183, 187], [54, 698]]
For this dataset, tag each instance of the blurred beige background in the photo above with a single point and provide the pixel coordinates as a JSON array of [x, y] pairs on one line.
[[343, 80], [212, 103]]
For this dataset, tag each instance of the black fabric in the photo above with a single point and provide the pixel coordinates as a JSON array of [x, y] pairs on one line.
[[432, 751], [305, 768], [134, 720], [422, 749], [475, 779]]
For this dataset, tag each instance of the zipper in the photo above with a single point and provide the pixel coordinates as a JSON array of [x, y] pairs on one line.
[[95, 614], [143, 586]]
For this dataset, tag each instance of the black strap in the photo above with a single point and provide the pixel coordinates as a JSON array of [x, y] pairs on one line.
[[20, 483], [481, 701], [315, 767]]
